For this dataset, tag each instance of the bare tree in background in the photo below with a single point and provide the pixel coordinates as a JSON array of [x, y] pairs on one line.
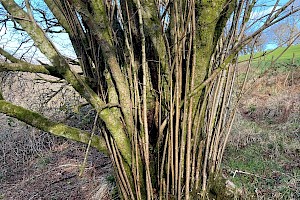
[[256, 45], [283, 33], [160, 76]]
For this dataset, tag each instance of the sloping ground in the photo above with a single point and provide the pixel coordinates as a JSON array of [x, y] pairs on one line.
[[54, 175], [288, 55], [273, 99], [36, 165], [263, 154], [262, 158]]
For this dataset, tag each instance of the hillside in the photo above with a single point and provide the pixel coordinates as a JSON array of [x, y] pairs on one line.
[[262, 157], [287, 57]]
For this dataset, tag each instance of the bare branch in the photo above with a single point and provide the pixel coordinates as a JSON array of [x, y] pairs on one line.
[[9, 56], [44, 124], [23, 67]]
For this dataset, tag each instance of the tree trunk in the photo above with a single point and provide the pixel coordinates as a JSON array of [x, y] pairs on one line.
[[160, 75]]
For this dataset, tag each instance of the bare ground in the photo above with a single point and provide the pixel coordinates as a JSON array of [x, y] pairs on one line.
[[263, 154], [37, 165], [55, 175]]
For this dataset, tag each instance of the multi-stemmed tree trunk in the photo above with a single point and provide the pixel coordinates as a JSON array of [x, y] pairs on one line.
[[160, 76]]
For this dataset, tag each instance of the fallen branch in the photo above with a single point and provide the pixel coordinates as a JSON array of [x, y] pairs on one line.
[[247, 173]]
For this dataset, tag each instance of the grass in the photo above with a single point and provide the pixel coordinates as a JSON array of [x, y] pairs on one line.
[[263, 154], [260, 161], [286, 57], [263, 60]]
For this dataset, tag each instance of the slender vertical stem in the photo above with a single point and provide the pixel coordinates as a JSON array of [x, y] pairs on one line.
[[145, 117]]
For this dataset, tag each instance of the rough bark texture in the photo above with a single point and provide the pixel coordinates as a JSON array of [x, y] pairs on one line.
[[36, 120], [160, 76]]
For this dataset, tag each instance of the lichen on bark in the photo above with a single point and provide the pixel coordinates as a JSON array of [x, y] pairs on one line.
[[37, 120]]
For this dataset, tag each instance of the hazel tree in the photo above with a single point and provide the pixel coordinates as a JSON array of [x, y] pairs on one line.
[[160, 76]]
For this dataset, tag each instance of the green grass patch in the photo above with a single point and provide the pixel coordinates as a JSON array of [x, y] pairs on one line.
[[269, 55], [286, 62], [252, 160], [261, 159]]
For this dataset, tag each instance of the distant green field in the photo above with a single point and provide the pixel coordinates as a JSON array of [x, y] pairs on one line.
[[286, 57], [283, 63]]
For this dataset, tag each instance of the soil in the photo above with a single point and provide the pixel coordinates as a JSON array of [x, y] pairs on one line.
[[273, 98], [36, 165], [55, 175]]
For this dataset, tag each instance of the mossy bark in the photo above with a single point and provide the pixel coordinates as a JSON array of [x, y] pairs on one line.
[[112, 120], [176, 87], [31, 68], [37, 120], [209, 15], [9, 56]]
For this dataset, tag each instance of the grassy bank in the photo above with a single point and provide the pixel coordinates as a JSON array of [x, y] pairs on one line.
[[263, 154], [293, 51], [264, 60]]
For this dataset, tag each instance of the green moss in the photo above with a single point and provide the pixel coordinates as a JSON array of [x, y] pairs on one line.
[[223, 18], [99, 16], [23, 67], [42, 123], [112, 93], [216, 189], [209, 14], [116, 129]]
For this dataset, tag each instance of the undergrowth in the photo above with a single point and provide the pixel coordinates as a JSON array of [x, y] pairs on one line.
[[263, 154], [263, 161]]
